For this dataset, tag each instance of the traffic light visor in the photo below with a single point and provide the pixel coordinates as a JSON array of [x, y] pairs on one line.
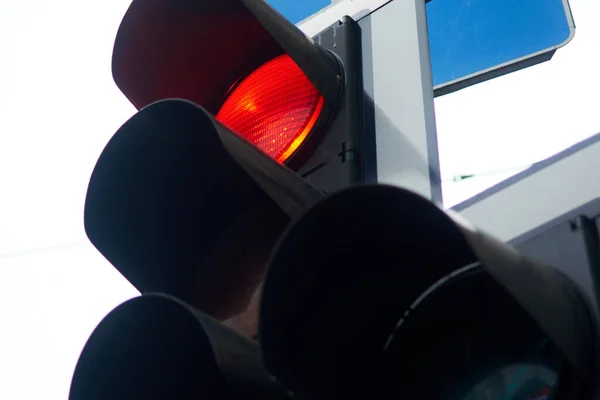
[[156, 209], [274, 108], [197, 49], [157, 347]]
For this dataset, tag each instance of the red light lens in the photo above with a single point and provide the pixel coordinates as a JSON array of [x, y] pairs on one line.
[[274, 108]]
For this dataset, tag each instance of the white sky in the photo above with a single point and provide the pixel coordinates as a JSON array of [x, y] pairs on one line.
[[59, 107]]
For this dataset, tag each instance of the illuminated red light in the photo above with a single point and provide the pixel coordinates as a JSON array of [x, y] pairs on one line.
[[274, 108]]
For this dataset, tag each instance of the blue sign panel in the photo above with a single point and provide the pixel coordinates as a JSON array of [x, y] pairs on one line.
[[297, 10], [474, 40], [474, 37]]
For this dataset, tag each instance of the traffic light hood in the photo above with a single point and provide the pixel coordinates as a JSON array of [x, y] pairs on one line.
[[199, 49], [181, 205], [355, 271], [158, 347]]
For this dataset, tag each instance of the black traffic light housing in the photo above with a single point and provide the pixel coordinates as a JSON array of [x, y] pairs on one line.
[[160, 213], [175, 199], [362, 282], [157, 347], [402, 299]]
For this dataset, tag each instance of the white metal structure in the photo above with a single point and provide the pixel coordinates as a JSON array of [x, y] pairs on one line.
[[549, 189], [397, 78]]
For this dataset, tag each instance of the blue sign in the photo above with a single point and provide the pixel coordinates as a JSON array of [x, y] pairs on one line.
[[297, 10], [478, 37], [474, 40]]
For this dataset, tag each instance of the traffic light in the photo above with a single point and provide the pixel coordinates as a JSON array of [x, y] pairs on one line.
[[298, 99], [180, 199], [245, 167], [376, 291]]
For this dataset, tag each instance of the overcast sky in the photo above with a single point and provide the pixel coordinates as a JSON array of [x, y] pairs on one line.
[[59, 107]]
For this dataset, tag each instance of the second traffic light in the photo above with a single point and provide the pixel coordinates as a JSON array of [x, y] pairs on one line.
[[399, 300], [377, 292]]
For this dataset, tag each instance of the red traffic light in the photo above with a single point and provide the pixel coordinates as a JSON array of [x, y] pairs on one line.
[[227, 91], [197, 49], [274, 108], [239, 59]]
